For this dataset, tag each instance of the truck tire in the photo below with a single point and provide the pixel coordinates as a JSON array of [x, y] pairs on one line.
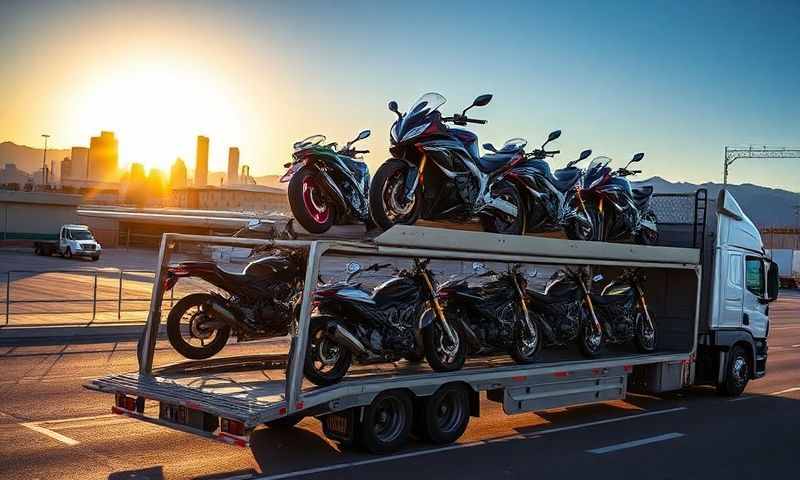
[[445, 414], [285, 422], [737, 373], [386, 424], [95, 258], [176, 336]]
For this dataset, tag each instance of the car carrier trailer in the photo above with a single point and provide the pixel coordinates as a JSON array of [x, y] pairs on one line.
[[222, 399]]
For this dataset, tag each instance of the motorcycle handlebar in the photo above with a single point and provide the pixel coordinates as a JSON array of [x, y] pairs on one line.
[[460, 119], [360, 151], [472, 120], [552, 152]]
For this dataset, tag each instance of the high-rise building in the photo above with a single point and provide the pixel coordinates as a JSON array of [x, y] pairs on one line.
[[201, 165], [66, 168], [103, 158], [177, 174], [137, 173], [80, 162], [233, 166]]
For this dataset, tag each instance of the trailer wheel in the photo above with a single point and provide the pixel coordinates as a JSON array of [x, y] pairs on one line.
[[737, 373], [445, 414], [387, 422]]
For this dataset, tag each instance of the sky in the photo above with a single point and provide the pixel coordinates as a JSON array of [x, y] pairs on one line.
[[677, 80]]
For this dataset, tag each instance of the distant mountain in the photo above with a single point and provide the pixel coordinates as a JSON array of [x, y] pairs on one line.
[[29, 159], [768, 207]]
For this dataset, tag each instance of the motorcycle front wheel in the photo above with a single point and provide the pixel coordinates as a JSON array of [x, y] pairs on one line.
[[526, 345], [308, 202], [442, 354], [590, 342], [185, 329], [645, 336], [387, 205], [499, 222], [326, 361]]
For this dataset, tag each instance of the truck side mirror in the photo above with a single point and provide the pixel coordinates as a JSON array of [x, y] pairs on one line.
[[773, 282]]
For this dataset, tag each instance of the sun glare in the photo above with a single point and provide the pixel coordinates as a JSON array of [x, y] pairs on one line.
[[156, 112]]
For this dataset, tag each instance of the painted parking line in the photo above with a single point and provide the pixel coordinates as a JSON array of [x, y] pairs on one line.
[[635, 443], [417, 453], [54, 435]]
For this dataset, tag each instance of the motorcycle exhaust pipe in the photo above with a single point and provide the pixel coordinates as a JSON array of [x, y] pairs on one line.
[[229, 318], [343, 337]]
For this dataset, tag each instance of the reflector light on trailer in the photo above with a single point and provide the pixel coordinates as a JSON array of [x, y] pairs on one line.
[[232, 426], [561, 374], [628, 368]]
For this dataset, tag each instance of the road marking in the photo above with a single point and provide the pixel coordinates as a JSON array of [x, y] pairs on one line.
[[635, 443], [788, 390], [339, 466], [54, 435], [745, 397], [78, 419]]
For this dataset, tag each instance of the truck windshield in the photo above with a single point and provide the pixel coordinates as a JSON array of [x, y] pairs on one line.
[[80, 235]]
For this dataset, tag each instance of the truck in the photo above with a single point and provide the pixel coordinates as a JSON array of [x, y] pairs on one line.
[[73, 241], [788, 266], [708, 288]]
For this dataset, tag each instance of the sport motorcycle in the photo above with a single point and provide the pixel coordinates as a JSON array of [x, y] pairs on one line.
[[615, 210], [401, 318], [550, 195], [566, 312], [493, 316], [622, 310], [327, 186], [436, 172], [260, 302]]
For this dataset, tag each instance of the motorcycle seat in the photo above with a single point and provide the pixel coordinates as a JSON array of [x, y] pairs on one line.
[[611, 299], [493, 161], [550, 298]]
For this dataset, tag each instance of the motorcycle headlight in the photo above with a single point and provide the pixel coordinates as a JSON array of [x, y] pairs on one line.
[[595, 182], [414, 132], [78, 246]]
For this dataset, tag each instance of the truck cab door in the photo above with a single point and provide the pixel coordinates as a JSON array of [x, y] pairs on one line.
[[62, 239], [754, 306], [733, 291]]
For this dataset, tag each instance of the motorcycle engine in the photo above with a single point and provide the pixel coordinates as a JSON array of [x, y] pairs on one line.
[[467, 188], [565, 321]]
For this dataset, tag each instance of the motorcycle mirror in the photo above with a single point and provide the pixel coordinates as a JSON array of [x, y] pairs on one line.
[[597, 277], [490, 147], [482, 100], [478, 267], [363, 134], [584, 155], [393, 106], [352, 267], [638, 157], [553, 135]]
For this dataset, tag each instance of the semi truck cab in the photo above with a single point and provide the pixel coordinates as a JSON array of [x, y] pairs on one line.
[[744, 280]]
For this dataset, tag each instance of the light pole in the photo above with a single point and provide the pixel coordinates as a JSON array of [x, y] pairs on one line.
[[44, 160]]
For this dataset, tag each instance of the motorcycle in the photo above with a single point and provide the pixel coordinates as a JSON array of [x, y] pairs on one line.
[[260, 302], [622, 310], [566, 312], [401, 318], [327, 186], [494, 316], [552, 204], [436, 172], [615, 210]]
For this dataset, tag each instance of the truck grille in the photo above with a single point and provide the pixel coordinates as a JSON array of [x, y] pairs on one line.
[[89, 247]]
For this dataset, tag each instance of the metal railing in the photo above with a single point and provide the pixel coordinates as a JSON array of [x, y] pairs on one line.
[[118, 297]]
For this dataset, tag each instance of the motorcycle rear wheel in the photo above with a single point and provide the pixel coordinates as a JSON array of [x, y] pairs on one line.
[[175, 329], [498, 222], [326, 361], [308, 203], [386, 206]]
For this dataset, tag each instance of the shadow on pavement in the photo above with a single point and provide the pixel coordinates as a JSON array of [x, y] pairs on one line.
[[150, 473]]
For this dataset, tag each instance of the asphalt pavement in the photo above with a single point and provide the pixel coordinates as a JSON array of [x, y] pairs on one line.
[[51, 427]]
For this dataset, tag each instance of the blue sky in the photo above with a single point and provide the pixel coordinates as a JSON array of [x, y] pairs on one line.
[[677, 80]]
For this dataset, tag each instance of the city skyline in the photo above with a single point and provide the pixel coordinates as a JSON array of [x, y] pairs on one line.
[[664, 79]]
